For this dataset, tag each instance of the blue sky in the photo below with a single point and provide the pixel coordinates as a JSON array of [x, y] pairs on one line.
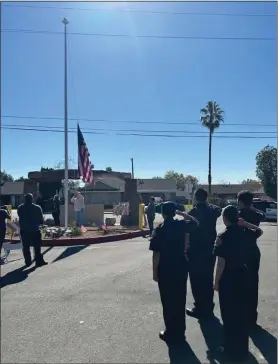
[[143, 79]]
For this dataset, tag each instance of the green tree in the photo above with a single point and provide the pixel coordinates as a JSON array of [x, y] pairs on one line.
[[108, 169], [250, 180], [211, 117], [180, 179], [266, 161], [157, 177], [20, 179], [6, 177]]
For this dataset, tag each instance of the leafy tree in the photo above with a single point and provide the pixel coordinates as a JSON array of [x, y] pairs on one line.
[[211, 117], [108, 169], [180, 179], [20, 179], [45, 169], [250, 180], [191, 179], [157, 177], [6, 177], [266, 161], [223, 182], [73, 184]]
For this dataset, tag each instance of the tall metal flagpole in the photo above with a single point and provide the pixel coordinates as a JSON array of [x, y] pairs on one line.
[[0, 100], [66, 182]]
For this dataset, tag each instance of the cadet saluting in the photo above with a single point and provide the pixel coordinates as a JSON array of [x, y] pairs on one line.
[[255, 217], [170, 269], [231, 281], [201, 259]]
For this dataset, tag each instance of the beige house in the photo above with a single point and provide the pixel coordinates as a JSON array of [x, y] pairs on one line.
[[12, 193], [110, 191]]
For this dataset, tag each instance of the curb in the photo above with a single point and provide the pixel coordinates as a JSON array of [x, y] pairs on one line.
[[94, 240]]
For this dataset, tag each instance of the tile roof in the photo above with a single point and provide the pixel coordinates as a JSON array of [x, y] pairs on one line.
[[143, 185], [13, 188]]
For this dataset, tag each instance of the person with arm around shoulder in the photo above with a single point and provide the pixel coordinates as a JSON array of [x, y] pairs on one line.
[[254, 217], [231, 282]]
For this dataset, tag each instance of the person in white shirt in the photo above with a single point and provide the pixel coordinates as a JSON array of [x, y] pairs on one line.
[[78, 206]]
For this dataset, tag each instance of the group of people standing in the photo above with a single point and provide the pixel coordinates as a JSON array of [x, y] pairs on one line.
[[191, 247], [30, 216], [78, 206]]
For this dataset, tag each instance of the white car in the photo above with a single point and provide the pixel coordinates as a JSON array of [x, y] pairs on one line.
[[269, 208]]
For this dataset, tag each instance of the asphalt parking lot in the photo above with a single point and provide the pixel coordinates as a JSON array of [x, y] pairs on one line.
[[98, 304]]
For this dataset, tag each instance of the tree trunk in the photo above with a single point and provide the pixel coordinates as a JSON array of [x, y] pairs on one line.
[[209, 169]]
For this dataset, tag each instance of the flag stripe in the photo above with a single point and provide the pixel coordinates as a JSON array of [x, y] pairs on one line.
[[84, 166]]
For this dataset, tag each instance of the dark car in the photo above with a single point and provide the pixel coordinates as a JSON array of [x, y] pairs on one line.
[[269, 208]]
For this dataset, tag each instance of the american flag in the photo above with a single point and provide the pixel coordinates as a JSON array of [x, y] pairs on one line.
[[84, 166]]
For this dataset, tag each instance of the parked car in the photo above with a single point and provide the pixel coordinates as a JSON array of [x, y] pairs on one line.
[[268, 207]]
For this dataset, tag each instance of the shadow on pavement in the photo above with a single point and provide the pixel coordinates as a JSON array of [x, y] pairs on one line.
[[181, 354], [212, 332], [266, 343], [70, 251], [18, 275]]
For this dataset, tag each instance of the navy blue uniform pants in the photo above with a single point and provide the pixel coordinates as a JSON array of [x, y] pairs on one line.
[[234, 308], [253, 284], [173, 299], [2, 237], [201, 269], [31, 239]]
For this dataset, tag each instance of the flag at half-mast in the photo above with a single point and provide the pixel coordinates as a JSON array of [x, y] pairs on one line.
[[85, 171]]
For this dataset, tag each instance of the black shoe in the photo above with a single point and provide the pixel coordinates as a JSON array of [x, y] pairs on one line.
[[41, 264], [28, 264], [193, 312], [170, 339], [232, 358]]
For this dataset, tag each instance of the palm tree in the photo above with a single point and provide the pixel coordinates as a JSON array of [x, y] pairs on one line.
[[211, 117]]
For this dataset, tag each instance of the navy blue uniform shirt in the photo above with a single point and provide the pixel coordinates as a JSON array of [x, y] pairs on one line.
[[233, 245], [205, 234], [30, 217], [168, 239], [254, 218], [3, 216]]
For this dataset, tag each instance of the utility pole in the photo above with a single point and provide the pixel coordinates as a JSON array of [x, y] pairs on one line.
[[66, 179], [132, 168]]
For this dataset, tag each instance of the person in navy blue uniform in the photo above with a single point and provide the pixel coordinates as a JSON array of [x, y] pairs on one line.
[[231, 281], [169, 243], [255, 217], [201, 259]]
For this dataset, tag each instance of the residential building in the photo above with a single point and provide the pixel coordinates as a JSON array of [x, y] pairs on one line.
[[110, 190], [12, 193]]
